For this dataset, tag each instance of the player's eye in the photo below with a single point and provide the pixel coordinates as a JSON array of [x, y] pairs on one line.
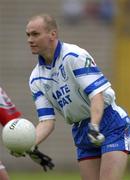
[[35, 34], [28, 34]]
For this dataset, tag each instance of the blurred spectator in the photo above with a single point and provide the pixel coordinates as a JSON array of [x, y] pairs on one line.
[[101, 9], [107, 10], [72, 11], [92, 8]]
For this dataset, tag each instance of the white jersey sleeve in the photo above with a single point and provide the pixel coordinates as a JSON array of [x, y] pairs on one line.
[[88, 75], [43, 106]]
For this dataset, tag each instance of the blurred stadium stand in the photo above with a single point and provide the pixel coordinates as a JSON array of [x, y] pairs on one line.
[[16, 64]]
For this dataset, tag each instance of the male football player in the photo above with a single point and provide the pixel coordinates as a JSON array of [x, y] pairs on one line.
[[66, 78]]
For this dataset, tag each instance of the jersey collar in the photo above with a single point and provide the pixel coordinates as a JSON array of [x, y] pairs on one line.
[[42, 61]]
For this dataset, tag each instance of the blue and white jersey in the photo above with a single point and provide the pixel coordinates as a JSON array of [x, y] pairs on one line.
[[68, 84]]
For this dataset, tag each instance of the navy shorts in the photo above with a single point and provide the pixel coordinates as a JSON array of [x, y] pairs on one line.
[[115, 129]]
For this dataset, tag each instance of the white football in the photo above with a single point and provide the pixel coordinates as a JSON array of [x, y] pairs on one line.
[[19, 135]]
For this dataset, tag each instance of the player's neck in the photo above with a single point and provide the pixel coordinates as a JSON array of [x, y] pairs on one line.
[[50, 53]]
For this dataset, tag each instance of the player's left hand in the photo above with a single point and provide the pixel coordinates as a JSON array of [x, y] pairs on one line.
[[94, 135], [40, 158]]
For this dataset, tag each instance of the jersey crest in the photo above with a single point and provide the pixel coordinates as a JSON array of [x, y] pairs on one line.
[[63, 73]]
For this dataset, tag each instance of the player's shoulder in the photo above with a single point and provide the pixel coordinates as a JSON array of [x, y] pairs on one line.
[[72, 49], [34, 73], [72, 52]]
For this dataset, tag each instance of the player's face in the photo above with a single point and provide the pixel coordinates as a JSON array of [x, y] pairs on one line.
[[39, 38]]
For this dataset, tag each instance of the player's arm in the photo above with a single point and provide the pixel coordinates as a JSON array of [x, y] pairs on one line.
[[90, 78], [96, 109], [44, 129], [45, 111]]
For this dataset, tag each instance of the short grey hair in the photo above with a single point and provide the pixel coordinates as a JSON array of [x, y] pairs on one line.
[[50, 22]]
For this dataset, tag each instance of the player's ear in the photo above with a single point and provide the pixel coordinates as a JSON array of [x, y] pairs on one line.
[[53, 34]]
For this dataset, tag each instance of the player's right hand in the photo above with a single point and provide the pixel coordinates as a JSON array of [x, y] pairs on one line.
[[38, 157], [41, 159], [94, 135]]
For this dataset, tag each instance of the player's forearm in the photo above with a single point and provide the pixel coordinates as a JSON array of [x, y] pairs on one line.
[[97, 107], [43, 130]]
